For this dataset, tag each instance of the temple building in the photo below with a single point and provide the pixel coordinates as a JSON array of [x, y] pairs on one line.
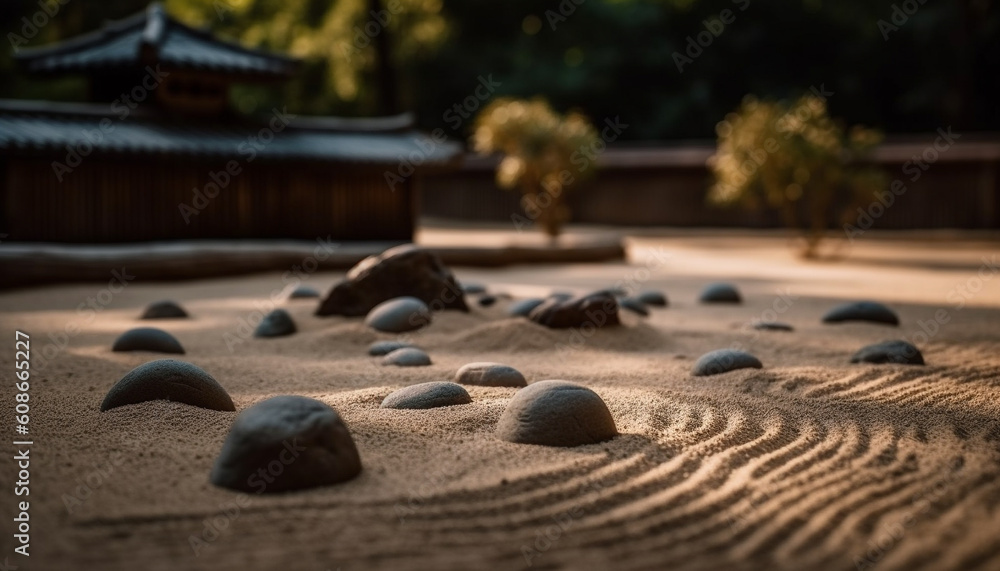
[[158, 152]]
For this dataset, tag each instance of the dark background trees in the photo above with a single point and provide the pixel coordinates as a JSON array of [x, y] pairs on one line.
[[606, 58]]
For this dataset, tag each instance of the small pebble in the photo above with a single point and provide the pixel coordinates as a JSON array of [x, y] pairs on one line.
[[723, 361], [147, 339], [473, 288], [487, 300], [407, 357], [275, 324], [653, 297], [303, 292], [720, 293], [634, 305], [399, 315], [296, 442], [380, 348], [772, 326], [167, 379], [899, 351], [164, 310], [490, 375], [427, 395], [870, 311], [556, 413]]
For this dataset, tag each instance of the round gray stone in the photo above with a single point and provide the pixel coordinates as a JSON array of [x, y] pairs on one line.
[[275, 324], [898, 351], [164, 310], [147, 339], [772, 326], [652, 297], [723, 361], [473, 288], [870, 311], [300, 442], [407, 357], [523, 307], [556, 413], [303, 292], [167, 379], [490, 375], [427, 395], [720, 293], [399, 315], [635, 305], [380, 348]]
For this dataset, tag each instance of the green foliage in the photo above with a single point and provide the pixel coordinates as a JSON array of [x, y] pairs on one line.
[[538, 146], [794, 158], [607, 57]]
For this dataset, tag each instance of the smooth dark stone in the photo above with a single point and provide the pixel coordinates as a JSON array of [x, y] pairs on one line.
[[596, 310], [167, 379], [398, 272], [275, 324], [303, 292], [490, 375], [523, 307], [634, 305], [556, 413], [164, 310], [720, 293], [148, 339], [772, 326], [428, 395], [380, 348], [652, 297], [898, 351], [473, 289], [487, 300], [299, 442], [399, 315], [870, 311], [723, 361], [407, 357]]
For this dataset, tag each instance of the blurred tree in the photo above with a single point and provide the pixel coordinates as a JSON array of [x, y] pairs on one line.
[[542, 154], [793, 157]]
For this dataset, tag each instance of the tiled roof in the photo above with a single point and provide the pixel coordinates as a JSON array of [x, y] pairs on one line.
[[152, 36], [45, 127]]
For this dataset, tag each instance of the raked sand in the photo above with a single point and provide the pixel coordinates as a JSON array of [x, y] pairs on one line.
[[809, 463]]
